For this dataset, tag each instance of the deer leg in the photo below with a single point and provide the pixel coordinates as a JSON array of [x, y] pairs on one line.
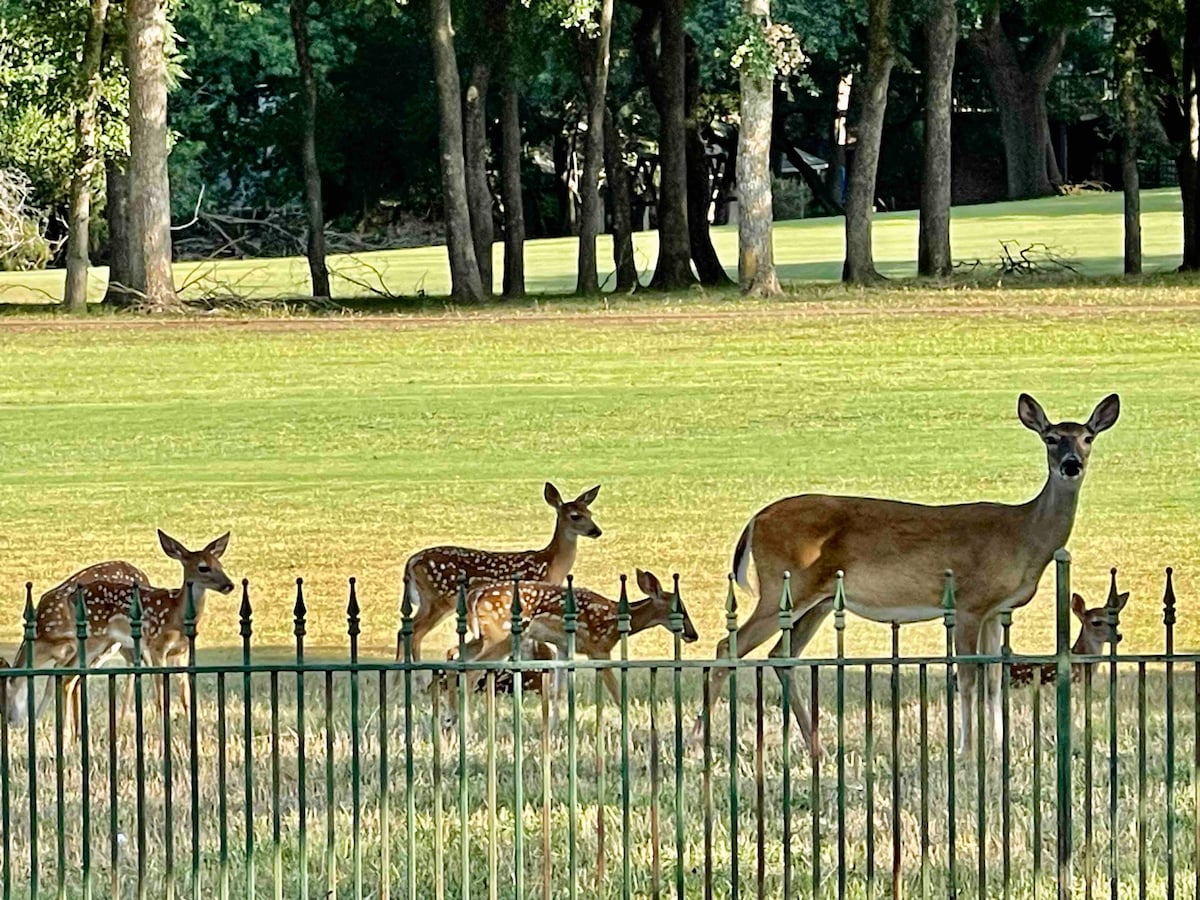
[[478, 650], [966, 643], [801, 633], [990, 637]]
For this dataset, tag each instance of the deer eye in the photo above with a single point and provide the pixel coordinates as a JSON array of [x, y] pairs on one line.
[[575, 517], [1050, 440], [203, 568], [1088, 438]]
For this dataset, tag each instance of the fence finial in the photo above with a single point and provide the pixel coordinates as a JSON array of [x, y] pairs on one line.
[[245, 614], [623, 619], [135, 623], [1112, 608], [948, 598], [1169, 599], [352, 620], [300, 611], [675, 617], [570, 616], [731, 617], [189, 620], [460, 614], [30, 616], [516, 624], [81, 621]]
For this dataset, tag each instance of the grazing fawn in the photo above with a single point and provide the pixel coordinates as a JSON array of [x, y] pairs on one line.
[[894, 556], [431, 577], [542, 610], [107, 602], [1094, 633]]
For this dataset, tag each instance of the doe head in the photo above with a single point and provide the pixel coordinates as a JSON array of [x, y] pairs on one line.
[[1068, 444], [663, 601], [574, 515], [200, 567]]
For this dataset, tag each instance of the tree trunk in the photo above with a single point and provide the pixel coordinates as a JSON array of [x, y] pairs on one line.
[[699, 179], [149, 184], [860, 201], [756, 259], [1185, 168], [933, 248], [308, 153], [116, 212], [620, 194], [1189, 160], [1020, 95], [475, 148], [595, 60], [510, 187], [465, 283], [674, 268], [80, 216], [1128, 98]]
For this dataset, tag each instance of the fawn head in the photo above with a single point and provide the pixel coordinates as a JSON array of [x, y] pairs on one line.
[[1068, 444], [200, 567], [662, 602], [573, 515], [1095, 631]]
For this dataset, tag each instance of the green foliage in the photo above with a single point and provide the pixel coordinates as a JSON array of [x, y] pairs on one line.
[[790, 198]]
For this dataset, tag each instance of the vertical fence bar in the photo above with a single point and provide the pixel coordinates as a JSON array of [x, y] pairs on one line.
[[982, 687], [1112, 614], [785, 749], [1169, 638], [85, 749], [410, 800], [6, 683], [1088, 785], [60, 807], [1062, 561], [897, 873], [189, 685], [676, 623], [135, 633], [168, 761], [548, 684], [246, 614], [1035, 699], [1141, 779], [464, 691], [30, 617], [299, 631], [760, 818], [706, 779], [815, 800], [518, 750], [839, 625], [276, 783], [1006, 753], [731, 630], [352, 631], [623, 626], [923, 767], [493, 881], [655, 788], [869, 772], [331, 876], [435, 739], [222, 796], [570, 624], [949, 613]]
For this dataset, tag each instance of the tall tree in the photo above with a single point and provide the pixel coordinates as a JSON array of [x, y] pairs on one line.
[[465, 282], [860, 200], [475, 138], [620, 191], [1127, 98], [595, 62], [941, 34], [756, 260], [149, 184], [510, 164], [1019, 73], [699, 176], [664, 64], [314, 208], [120, 247], [80, 216]]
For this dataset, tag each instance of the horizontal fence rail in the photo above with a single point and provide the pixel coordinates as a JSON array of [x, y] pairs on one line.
[[360, 778]]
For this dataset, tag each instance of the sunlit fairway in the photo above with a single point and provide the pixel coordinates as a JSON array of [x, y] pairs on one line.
[[1085, 230]]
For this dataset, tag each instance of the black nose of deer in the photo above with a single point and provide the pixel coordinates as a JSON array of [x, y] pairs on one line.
[[227, 587], [595, 532], [1071, 467]]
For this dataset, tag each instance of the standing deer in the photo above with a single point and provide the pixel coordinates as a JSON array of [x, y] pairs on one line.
[[107, 602], [894, 555], [432, 576], [542, 609], [1095, 632]]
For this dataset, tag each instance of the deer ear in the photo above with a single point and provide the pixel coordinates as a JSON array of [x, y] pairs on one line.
[[1104, 416], [553, 497], [1031, 414], [649, 584], [170, 546], [1122, 599], [1078, 605], [587, 498], [217, 547]]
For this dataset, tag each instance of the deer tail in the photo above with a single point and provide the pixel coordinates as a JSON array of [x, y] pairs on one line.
[[741, 555]]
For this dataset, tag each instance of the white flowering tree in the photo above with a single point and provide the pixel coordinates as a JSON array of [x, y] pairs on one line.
[[766, 49]]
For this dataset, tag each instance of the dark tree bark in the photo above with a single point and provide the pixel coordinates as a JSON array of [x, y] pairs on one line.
[[466, 284], [756, 258], [116, 212], [313, 206], [933, 248], [510, 185], [620, 193], [80, 216], [1130, 182], [860, 201], [149, 184], [1020, 95], [475, 149], [699, 179], [594, 58], [1189, 162], [664, 67]]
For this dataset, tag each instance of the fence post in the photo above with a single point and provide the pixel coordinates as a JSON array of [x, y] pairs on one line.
[[949, 620], [1062, 560]]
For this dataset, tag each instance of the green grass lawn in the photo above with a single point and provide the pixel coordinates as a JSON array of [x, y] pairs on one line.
[[1084, 229], [337, 447]]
